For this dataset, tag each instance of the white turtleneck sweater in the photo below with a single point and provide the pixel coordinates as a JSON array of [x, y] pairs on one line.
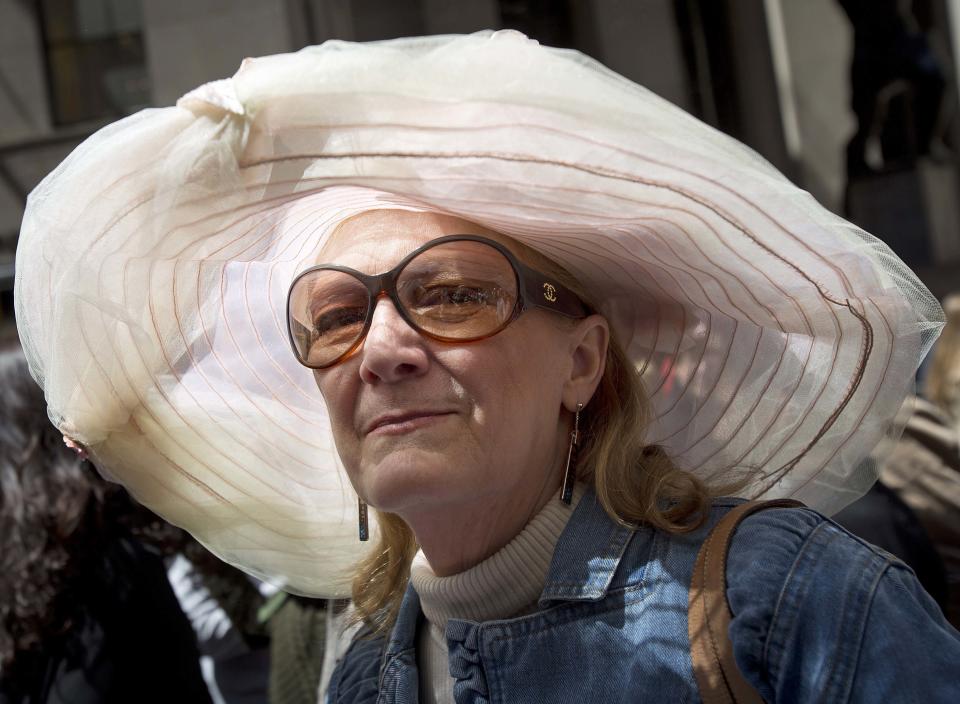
[[505, 585]]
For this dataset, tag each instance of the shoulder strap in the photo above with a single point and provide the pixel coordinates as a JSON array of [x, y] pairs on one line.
[[708, 616]]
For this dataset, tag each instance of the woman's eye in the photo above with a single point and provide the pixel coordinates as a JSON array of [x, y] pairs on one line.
[[453, 296], [332, 320]]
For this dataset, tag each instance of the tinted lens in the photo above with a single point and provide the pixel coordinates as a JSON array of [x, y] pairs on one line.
[[328, 310], [459, 290]]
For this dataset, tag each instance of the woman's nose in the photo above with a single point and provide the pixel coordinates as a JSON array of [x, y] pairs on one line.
[[392, 351]]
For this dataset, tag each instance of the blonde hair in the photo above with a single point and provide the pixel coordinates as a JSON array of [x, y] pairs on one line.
[[635, 482], [942, 385]]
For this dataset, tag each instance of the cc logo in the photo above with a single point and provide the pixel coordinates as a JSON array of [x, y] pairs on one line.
[[550, 292]]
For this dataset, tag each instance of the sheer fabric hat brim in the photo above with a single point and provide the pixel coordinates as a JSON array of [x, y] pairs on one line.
[[772, 335]]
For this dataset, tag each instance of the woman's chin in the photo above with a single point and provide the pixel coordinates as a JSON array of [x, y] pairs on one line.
[[412, 478]]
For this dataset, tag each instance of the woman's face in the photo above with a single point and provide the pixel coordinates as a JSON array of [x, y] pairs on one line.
[[420, 423]]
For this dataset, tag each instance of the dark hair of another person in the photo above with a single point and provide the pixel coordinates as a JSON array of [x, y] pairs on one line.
[[56, 514]]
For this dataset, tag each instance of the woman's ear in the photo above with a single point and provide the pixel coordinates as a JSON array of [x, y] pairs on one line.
[[588, 351]]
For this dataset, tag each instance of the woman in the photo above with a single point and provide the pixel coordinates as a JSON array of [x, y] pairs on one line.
[[471, 472], [86, 612], [630, 315]]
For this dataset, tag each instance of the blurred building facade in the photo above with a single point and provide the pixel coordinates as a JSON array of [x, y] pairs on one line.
[[773, 73]]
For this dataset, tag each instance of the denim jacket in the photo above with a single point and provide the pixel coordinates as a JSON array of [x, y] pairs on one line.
[[819, 616]]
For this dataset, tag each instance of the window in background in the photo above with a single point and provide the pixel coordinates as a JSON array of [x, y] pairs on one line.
[[95, 58]]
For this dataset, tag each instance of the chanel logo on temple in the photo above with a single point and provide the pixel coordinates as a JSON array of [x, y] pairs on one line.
[[550, 292]]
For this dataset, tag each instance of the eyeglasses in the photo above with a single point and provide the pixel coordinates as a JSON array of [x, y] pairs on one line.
[[458, 288]]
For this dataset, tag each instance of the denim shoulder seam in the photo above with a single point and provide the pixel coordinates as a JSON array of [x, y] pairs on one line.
[[840, 685], [795, 583], [780, 606]]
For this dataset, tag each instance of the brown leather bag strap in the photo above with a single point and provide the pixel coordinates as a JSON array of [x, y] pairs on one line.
[[708, 616]]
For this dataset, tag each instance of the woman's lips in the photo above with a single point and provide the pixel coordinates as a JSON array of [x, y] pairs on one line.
[[401, 423]]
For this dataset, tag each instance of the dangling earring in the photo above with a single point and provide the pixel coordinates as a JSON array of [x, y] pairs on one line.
[[566, 494], [364, 525]]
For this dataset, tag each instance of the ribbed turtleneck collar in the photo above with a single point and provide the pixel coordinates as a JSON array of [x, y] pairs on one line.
[[507, 583]]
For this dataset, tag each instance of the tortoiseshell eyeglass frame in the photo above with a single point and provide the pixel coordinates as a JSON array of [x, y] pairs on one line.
[[534, 290]]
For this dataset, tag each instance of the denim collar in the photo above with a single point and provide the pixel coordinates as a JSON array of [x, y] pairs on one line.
[[587, 555], [404, 634], [584, 562]]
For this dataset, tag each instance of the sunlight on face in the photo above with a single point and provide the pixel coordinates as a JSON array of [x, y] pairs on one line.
[[421, 423]]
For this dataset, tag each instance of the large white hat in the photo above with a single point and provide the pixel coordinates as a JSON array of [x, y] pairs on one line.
[[153, 266]]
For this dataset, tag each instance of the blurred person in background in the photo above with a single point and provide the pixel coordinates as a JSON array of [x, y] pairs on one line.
[[924, 467], [913, 511], [86, 612], [256, 643], [222, 605], [891, 55], [884, 519], [942, 382]]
